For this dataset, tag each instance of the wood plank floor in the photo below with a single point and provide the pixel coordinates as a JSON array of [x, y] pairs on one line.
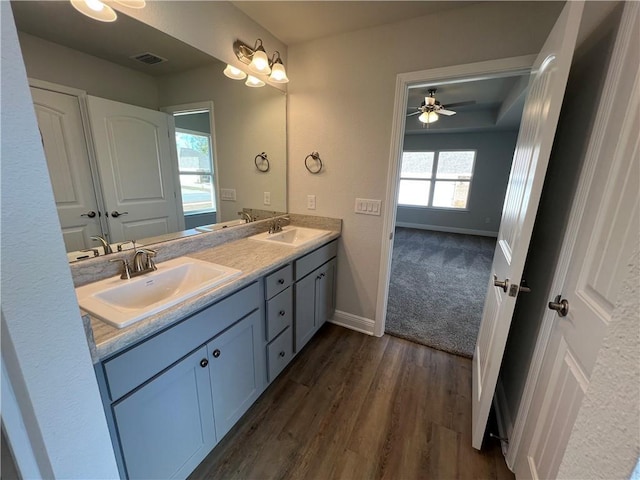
[[352, 406]]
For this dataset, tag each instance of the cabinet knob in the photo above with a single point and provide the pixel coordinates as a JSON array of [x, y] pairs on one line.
[[204, 362], [281, 313], [282, 353], [216, 353], [281, 281]]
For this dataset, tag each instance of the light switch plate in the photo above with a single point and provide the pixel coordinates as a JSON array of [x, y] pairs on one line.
[[228, 194], [367, 206], [267, 198]]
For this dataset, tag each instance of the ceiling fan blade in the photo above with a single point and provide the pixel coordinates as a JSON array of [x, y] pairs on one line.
[[446, 112], [461, 104], [412, 114]]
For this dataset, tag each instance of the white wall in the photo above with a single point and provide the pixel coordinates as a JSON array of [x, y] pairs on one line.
[[247, 121], [55, 63], [494, 155], [44, 347], [341, 97]]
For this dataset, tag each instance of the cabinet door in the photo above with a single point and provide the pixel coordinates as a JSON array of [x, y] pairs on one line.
[[237, 367], [305, 300], [166, 427], [325, 293]]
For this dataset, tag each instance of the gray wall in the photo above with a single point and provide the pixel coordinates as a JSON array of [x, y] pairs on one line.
[[57, 64], [581, 99], [488, 187]]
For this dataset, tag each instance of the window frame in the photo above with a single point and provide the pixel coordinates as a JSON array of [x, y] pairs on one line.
[[212, 174], [433, 179]]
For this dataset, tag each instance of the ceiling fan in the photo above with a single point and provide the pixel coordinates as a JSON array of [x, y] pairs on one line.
[[430, 109]]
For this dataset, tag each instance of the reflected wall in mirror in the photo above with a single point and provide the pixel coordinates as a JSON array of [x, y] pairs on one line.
[[63, 47]]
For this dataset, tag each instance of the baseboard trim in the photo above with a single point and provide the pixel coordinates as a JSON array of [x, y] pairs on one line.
[[353, 322], [438, 228], [503, 417]]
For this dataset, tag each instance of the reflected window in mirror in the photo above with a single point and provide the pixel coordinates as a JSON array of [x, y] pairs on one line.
[[195, 167]]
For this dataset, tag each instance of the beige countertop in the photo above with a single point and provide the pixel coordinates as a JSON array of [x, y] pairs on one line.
[[254, 258]]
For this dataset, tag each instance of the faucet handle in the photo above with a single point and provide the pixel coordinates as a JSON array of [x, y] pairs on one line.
[[119, 245], [126, 271], [96, 252]]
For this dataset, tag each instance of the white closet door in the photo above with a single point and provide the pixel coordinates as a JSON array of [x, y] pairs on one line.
[[65, 148], [136, 169], [531, 156]]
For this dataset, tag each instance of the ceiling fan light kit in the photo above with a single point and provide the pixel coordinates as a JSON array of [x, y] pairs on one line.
[[258, 62]]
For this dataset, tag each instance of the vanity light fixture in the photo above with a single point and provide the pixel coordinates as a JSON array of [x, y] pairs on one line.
[[278, 73], [258, 61], [234, 73], [253, 82], [98, 10], [95, 9]]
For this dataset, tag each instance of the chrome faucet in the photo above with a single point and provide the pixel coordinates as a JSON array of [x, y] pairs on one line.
[[105, 244], [143, 261], [246, 216], [276, 224]]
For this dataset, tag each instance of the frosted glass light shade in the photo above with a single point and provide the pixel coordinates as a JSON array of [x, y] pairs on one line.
[[234, 73], [254, 82], [428, 117], [278, 73], [260, 62], [95, 9]]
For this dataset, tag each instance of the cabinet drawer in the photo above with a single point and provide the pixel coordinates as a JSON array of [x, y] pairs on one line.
[[278, 281], [279, 313], [313, 260], [135, 366], [279, 353]]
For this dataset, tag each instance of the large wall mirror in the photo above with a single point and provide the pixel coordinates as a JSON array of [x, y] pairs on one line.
[[172, 97]]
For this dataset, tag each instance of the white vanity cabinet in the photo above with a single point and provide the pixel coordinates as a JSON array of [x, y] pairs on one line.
[[314, 291], [172, 397]]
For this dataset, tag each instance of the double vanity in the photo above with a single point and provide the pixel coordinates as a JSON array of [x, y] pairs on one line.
[[181, 353]]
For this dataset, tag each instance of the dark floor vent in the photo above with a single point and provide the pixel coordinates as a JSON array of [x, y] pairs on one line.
[[148, 58]]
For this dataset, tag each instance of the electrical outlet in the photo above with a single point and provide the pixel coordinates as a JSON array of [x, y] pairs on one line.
[[311, 202], [267, 198], [487, 219], [367, 206]]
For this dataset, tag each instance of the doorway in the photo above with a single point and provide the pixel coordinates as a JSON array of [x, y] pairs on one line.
[[449, 230]]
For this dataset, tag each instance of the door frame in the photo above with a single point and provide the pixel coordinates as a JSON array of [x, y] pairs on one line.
[[191, 107], [618, 66], [504, 67]]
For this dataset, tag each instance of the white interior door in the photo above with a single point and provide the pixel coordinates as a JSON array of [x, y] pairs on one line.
[[537, 130], [602, 232], [136, 169], [65, 148]]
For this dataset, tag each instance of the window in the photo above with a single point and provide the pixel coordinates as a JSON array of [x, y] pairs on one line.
[[436, 179], [196, 171]]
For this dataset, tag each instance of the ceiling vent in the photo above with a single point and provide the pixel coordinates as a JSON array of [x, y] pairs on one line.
[[148, 58]]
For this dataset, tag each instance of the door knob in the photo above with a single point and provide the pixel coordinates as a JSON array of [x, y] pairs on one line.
[[116, 214], [503, 285], [560, 305], [89, 214]]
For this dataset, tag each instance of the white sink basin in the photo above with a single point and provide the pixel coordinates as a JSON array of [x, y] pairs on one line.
[[124, 302], [292, 236]]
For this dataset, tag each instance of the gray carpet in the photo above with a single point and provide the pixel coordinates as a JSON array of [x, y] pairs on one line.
[[438, 286]]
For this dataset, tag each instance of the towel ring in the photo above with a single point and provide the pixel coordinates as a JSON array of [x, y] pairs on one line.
[[315, 156], [263, 164]]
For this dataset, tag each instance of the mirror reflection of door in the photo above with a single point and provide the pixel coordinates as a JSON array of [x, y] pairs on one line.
[[197, 174], [60, 123]]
